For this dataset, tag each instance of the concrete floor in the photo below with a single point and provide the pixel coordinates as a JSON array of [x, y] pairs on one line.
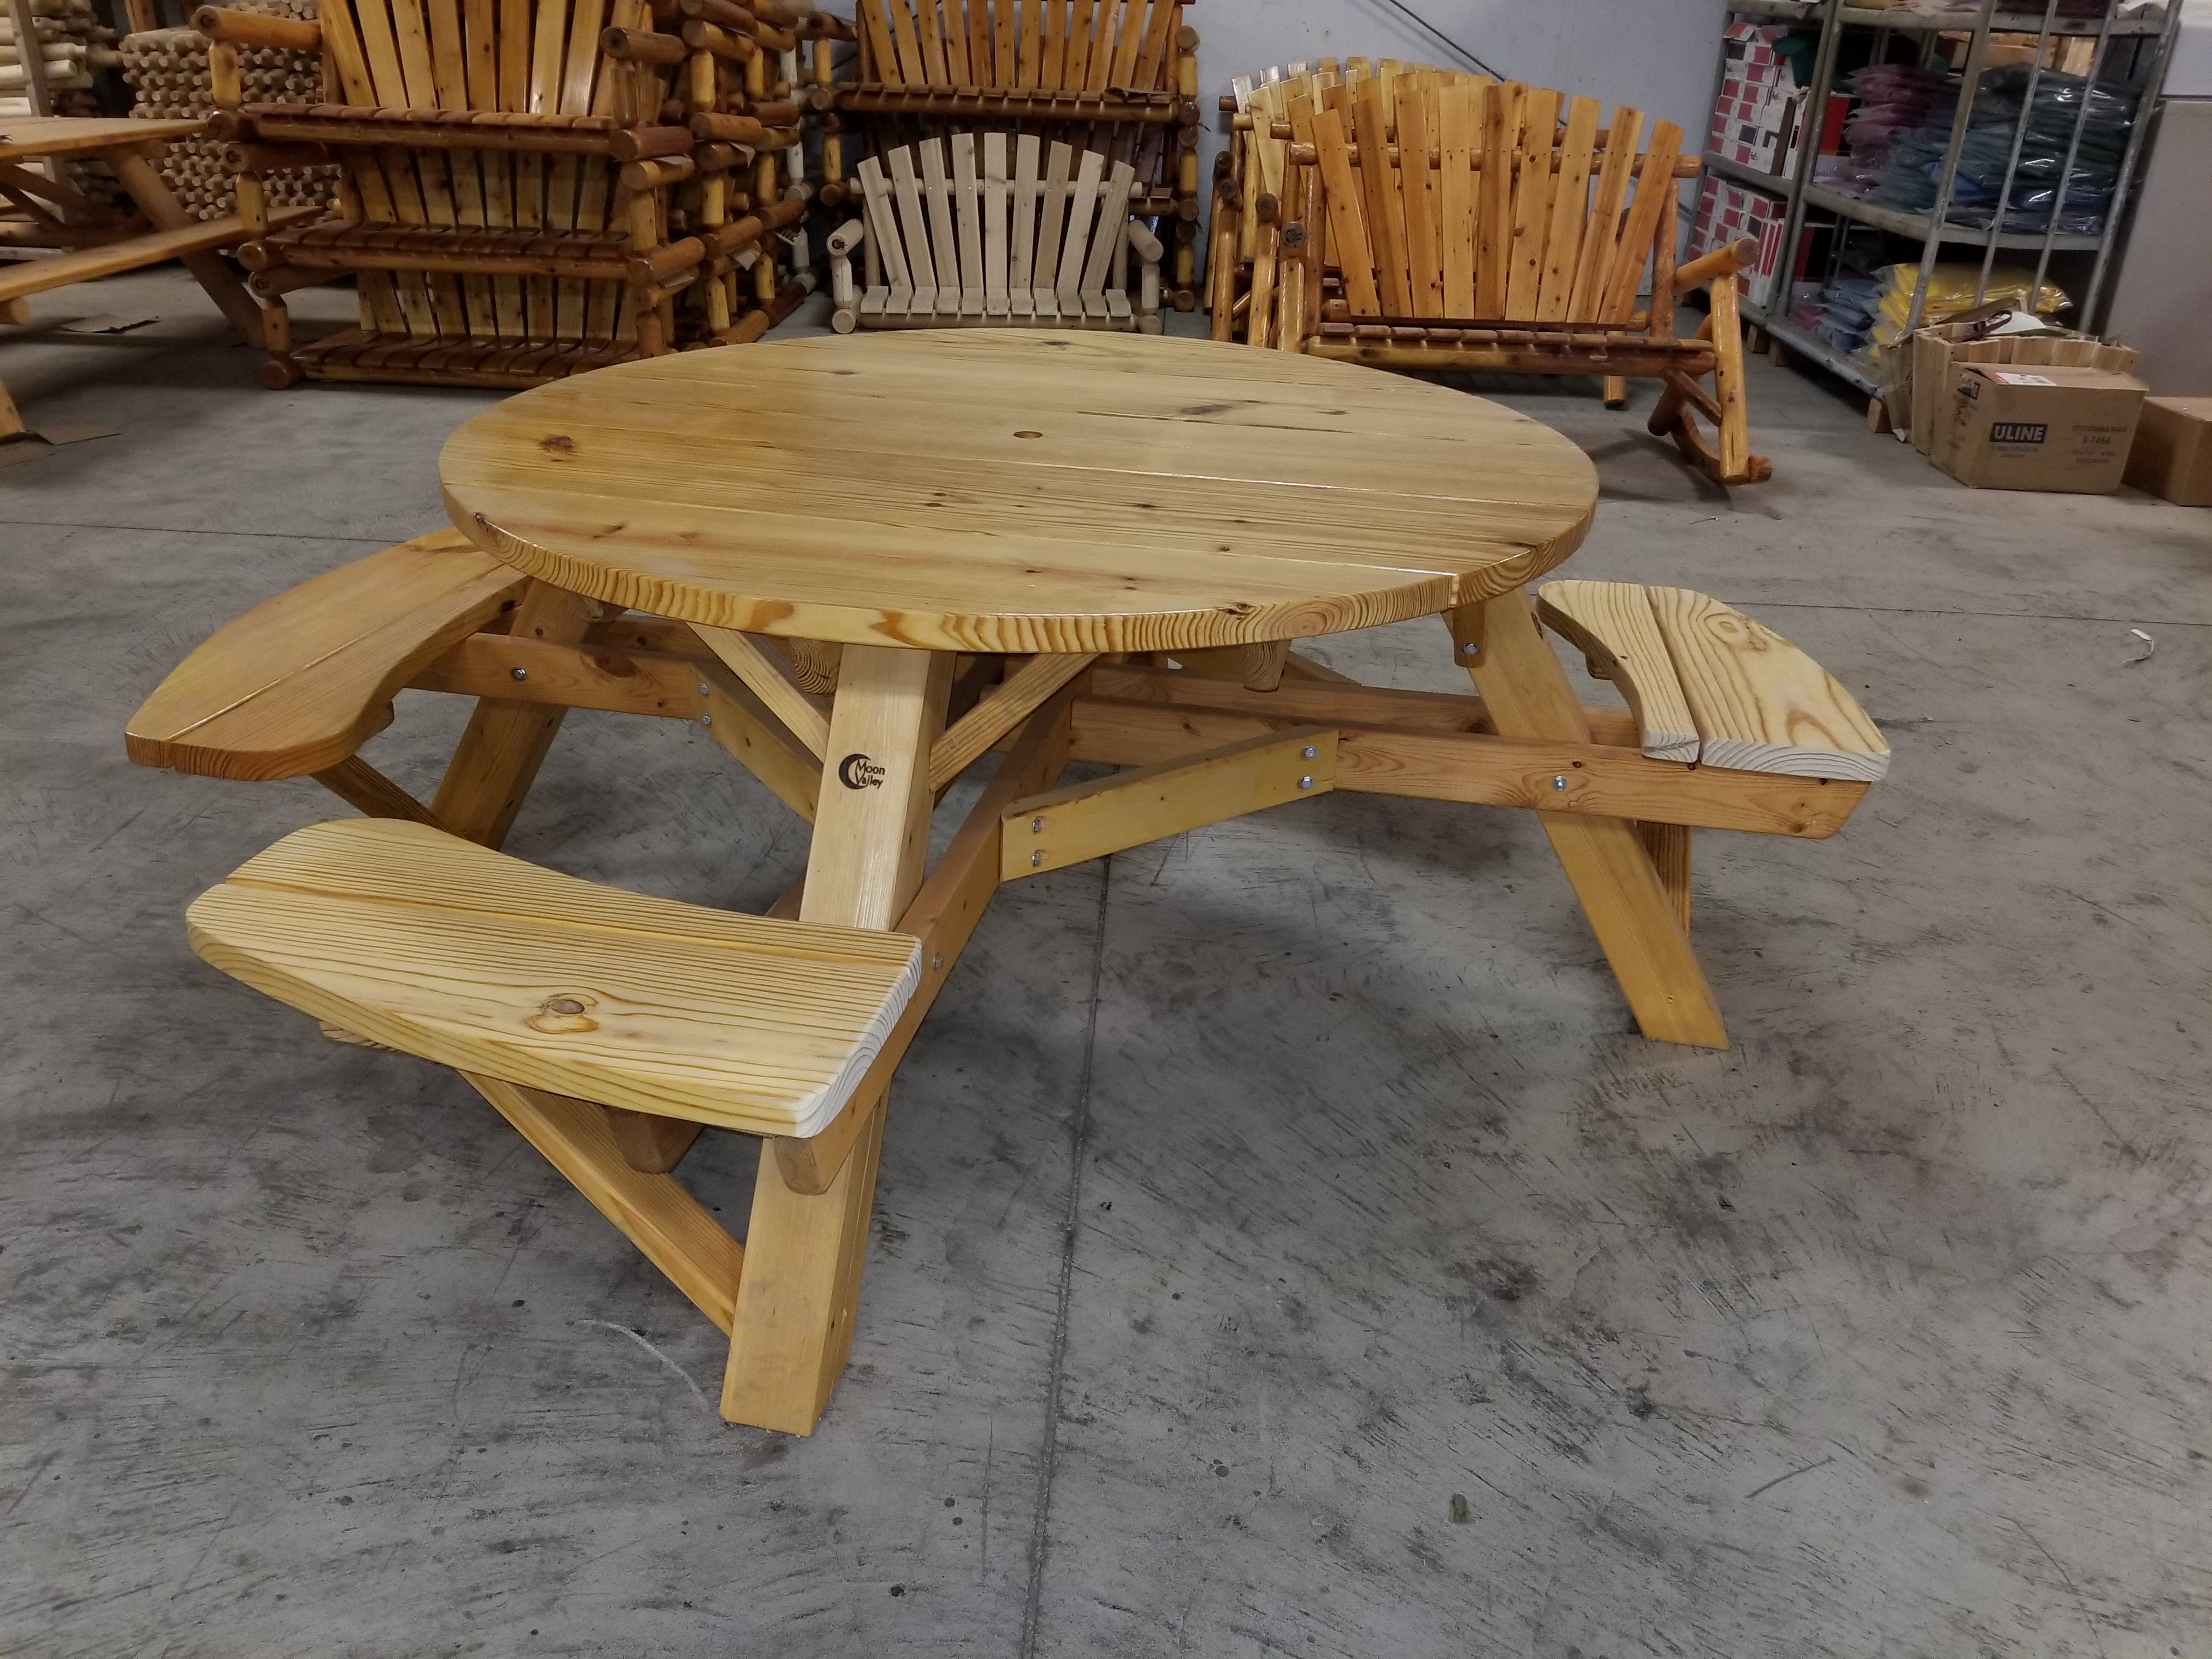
[[1249, 1196]]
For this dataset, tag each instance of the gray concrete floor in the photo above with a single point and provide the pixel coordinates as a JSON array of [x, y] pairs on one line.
[[1248, 1197]]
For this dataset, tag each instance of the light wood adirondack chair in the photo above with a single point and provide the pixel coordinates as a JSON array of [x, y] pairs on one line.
[[519, 200], [997, 247], [1474, 230], [1121, 79]]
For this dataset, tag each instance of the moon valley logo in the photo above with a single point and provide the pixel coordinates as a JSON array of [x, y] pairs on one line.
[[859, 772]]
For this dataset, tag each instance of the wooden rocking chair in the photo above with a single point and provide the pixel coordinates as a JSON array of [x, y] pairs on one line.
[[509, 198], [1472, 231], [994, 251]]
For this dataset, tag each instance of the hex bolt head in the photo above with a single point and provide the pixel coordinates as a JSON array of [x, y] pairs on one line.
[[1311, 752], [1305, 783], [1560, 782], [1037, 826], [1036, 858], [518, 673], [706, 719], [702, 690], [1470, 649], [936, 960]]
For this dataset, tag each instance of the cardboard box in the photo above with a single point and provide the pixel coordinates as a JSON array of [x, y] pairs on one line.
[[1937, 351], [2173, 454], [2048, 428]]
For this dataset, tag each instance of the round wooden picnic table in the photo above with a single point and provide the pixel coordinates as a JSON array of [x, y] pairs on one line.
[[1019, 490], [906, 498]]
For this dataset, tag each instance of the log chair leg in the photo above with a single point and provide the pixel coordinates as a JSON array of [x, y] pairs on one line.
[[794, 1324], [1528, 695], [163, 212], [498, 756], [1616, 392], [11, 421], [1738, 465]]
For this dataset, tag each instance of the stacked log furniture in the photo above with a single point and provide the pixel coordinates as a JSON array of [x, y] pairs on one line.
[[525, 195], [168, 75], [1033, 241], [1121, 79], [1488, 226]]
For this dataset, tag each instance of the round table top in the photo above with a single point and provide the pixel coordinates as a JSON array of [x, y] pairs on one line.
[[1019, 490]]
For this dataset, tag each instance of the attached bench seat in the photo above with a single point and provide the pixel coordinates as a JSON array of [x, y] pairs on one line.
[[428, 944], [1707, 683], [300, 682]]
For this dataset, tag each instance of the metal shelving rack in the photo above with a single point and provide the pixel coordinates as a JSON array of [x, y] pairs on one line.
[[2147, 72]]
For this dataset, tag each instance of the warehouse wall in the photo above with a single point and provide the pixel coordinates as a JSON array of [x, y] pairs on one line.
[[1656, 54]]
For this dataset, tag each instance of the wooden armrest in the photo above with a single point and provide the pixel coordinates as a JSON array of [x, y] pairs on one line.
[[1724, 261], [246, 29]]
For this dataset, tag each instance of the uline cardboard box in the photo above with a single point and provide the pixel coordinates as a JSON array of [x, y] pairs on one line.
[[2048, 428], [2173, 453]]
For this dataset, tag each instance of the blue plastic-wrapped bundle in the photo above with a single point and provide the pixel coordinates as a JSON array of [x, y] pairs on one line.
[[1916, 161]]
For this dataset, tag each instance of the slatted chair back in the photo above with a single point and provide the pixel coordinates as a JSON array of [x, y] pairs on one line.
[[1486, 202], [999, 46], [490, 57], [1011, 232]]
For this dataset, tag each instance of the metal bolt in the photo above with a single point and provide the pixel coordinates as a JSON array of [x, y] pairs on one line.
[[936, 960], [1305, 783], [1560, 782], [702, 690], [1036, 858], [706, 719], [518, 673], [1470, 649], [1037, 826], [1309, 751]]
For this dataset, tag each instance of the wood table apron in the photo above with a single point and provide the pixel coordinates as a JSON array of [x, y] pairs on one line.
[[907, 497]]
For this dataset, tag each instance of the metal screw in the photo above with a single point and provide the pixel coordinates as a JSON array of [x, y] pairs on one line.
[[706, 719], [518, 673], [1305, 783], [1309, 751], [1560, 782], [1037, 826], [1470, 649], [1036, 858]]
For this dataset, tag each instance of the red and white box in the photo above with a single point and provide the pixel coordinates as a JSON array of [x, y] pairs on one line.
[[1728, 212], [1757, 88]]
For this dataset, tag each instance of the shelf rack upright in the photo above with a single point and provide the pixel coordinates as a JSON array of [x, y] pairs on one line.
[[1934, 229]]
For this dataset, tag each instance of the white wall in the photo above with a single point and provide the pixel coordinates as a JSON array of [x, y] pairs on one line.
[[1658, 56]]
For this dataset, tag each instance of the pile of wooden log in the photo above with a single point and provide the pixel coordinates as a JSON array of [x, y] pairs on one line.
[[167, 69], [73, 43]]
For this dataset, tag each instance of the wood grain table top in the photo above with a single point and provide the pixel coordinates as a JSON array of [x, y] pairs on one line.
[[1018, 490], [72, 135]]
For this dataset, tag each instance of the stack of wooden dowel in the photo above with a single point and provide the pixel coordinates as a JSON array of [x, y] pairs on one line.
[[72, 43], [167, 69]]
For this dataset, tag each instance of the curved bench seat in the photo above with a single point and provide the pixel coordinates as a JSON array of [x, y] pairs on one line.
[[302, 680], [421, 941]]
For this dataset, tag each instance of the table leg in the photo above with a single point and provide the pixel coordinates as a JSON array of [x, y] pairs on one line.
[[506, 742], [163, 210], [1528, 695], [804, 1251]]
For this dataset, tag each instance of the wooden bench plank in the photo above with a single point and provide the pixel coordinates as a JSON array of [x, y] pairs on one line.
[[1612, 625], [300, 680], [1760, 704], [434, 945]]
